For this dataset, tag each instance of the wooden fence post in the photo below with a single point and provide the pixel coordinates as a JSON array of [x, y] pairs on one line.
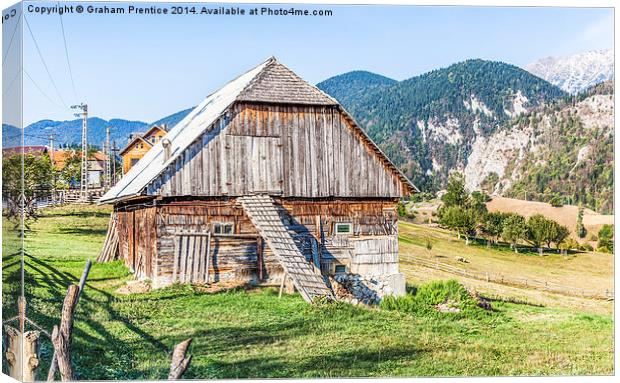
[[180, 362], [54, 363], [22, 353], [282, 284], [61, 336]]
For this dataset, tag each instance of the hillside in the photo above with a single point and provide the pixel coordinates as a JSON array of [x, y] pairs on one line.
[[173, 119], [426, 124], [563, 150], [352, 86], [70, 132], [586, 271], [565, 215], [575, 73], [11, 136]]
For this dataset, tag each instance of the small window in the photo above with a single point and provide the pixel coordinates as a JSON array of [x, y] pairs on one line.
[[339, 269], [134, 161], [343, 228], [223, 228]]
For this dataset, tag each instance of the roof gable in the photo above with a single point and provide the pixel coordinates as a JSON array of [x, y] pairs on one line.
[[278, 84], [132, 142], [153, 129], [269, 82]]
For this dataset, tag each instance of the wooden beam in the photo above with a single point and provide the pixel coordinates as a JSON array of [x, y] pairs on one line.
[[61, 336], [259, 257], [54, 363], [180, 362]]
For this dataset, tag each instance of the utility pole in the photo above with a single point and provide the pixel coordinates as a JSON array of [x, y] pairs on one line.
[[114, 151], [52, 137], [84, 179], [106, 153]]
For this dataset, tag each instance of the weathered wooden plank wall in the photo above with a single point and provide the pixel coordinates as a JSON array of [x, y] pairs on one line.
[[295, 151], [137, 238], [376, 255], [232, 257], [235, 257]]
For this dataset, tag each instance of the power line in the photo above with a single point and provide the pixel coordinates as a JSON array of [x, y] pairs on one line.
[[64, 39], [6, 54], [41, 90], [44, 63], [11, 83]]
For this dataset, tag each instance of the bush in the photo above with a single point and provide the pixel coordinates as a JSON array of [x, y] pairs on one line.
[[586, 247], [605, 238], [569, 243], [427, 296], [437, 292], [556, 201], [592, 238]]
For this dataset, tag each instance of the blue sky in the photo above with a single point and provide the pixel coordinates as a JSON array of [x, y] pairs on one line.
[[146, 67]]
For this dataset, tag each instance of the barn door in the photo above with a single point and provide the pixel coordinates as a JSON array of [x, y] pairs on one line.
[[264, 165], [191, 257]]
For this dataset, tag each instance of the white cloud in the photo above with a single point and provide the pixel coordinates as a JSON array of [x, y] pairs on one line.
[[598, 34]]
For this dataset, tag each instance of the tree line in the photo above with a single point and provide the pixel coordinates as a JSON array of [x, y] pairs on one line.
[[467, 215]]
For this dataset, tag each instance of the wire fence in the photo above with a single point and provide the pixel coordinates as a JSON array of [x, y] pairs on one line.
[[530, 283]]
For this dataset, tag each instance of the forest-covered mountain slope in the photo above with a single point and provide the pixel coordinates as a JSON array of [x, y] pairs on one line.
[[427, 124], [70, 132], [561, 152], [353, 86]]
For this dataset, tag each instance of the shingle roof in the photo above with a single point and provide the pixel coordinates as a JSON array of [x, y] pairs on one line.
[[278, 84]]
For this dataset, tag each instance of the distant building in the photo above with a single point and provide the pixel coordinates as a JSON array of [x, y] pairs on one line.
[[96, 162], [139, 144]]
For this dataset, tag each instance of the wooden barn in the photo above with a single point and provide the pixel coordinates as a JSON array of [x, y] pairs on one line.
[[267, 175]]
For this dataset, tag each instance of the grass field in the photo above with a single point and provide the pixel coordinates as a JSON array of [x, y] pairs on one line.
[[250, 333], [587, 271]]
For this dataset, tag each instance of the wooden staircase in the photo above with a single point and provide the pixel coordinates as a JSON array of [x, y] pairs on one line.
[[264, 215]]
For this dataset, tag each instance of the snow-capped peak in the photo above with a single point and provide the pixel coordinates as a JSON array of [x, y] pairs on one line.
[[577, 72]]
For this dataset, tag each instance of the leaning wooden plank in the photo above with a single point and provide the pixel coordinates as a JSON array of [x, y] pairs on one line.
[[180, 362], [264, 215], [61, 335], [54, 364]]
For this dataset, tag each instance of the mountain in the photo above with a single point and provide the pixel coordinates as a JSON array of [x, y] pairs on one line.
[[427, 124], [352, 86], [173, 119], [575, 73], [70, 132], [562, 150], [11, 136]]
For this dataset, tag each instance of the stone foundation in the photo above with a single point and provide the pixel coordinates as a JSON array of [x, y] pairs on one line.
[[367, 289]]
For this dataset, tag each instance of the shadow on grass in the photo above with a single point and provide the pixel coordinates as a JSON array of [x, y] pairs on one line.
[[76, 214], [45, 288], [353, 363], [82, 231]]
